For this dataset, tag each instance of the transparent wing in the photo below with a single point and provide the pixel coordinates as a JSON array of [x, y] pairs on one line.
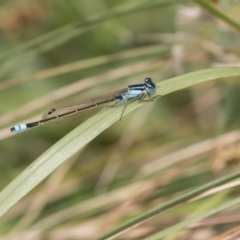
[[79, 107]]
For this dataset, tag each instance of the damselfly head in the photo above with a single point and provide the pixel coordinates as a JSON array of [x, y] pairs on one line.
[[149, 83]]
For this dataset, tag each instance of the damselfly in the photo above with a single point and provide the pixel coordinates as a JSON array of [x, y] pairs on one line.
[[133, 92]]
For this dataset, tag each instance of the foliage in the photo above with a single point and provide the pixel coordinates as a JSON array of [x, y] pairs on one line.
[[168, 169]]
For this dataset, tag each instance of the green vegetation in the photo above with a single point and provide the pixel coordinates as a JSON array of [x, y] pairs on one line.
[[168, 169]]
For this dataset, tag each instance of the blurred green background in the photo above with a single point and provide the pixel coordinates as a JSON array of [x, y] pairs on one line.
[[56, 52]]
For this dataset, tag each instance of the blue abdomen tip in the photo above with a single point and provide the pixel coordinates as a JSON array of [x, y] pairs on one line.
[[19, 128]]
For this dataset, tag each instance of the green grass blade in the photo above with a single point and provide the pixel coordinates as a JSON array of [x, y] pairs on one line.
[[194, 219], [219, 14], [166, 206]]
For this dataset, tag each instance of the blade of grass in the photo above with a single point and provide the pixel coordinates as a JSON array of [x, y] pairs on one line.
[[194, 219], [84, 133], [166, 206], [219, 14]]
